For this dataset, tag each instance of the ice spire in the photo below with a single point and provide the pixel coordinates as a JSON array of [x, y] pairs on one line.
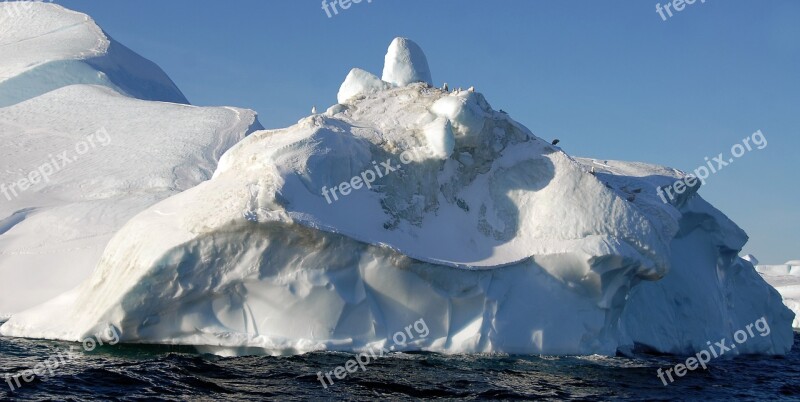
[[406, 63]]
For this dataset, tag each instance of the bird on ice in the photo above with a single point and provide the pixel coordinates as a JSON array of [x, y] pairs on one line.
[[313, 110], [445, 87], [556, 141]]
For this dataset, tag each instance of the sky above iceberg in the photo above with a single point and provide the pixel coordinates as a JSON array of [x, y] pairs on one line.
[[612, 80]]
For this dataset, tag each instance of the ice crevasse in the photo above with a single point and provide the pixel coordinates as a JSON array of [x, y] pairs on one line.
[[499, 240]]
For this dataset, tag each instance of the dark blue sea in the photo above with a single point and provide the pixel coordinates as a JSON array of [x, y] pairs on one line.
[[130, 373]]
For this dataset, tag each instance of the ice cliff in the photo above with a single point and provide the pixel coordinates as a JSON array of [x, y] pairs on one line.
[[405, 202]]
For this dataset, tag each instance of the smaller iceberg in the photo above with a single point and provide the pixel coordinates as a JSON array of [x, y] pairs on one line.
[[786, 280]]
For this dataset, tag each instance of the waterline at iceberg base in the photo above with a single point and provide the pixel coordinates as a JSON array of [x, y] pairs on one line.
[[499, 240]]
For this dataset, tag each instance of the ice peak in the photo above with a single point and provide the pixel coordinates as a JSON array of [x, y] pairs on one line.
[[406, 63]]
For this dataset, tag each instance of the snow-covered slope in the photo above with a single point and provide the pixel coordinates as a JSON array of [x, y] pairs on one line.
[[786, 279], [44, 46], [111, 156], [78, 161], [407, 202]]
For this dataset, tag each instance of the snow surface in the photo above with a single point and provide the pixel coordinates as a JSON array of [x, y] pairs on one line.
[[359, 82], [786, 279], [125, 154], [405, 63], [44, 46], [500, 241]]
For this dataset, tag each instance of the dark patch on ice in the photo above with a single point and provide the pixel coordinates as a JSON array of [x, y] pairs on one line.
[[15, 219]]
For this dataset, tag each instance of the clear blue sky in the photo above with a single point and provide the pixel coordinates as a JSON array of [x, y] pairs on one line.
[[609, 78]]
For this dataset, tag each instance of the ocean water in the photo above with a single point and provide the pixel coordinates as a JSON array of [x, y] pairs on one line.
[[179, 373]]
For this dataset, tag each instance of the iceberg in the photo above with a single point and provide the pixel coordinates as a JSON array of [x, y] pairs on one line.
[[786, 280], [78, 161], [405, 202]]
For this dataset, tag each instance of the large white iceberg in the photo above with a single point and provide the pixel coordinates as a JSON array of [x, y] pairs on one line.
[[406, 203], [77, 161]]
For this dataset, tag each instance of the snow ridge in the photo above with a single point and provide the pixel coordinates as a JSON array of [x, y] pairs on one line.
[[46, 47]]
